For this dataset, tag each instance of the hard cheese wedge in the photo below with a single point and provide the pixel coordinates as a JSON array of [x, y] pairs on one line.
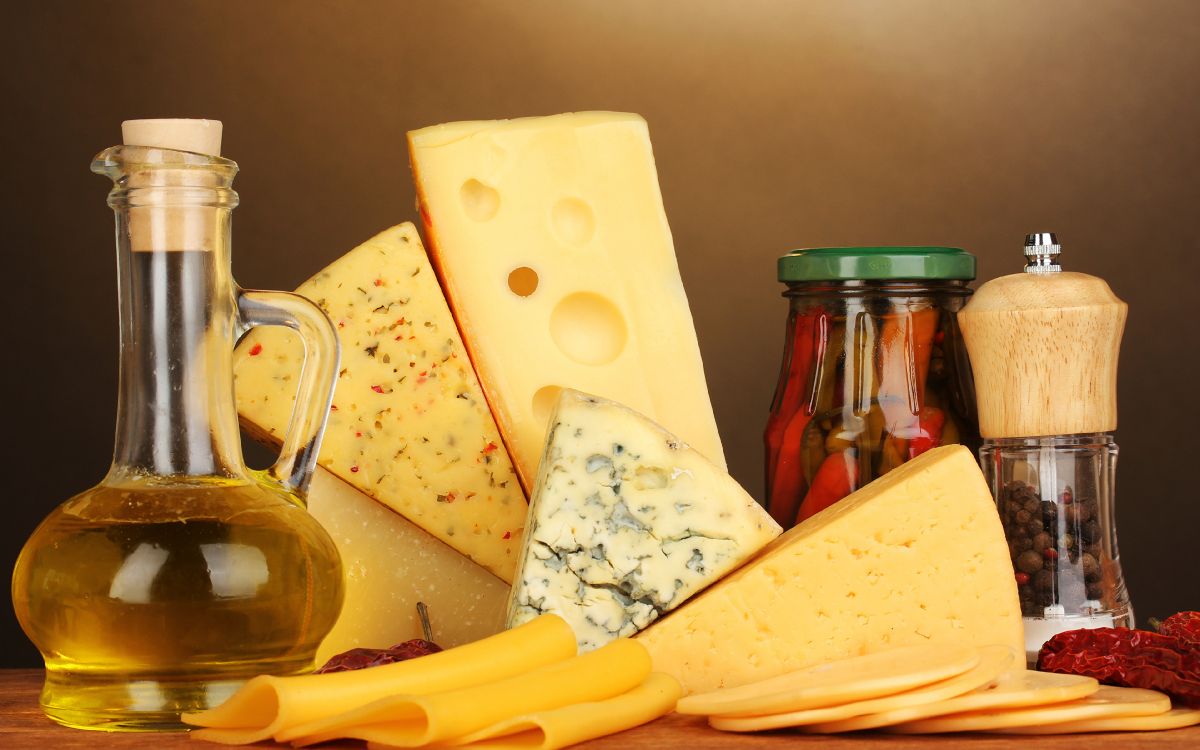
[[550, 237], [391, 564], [917, 556], [626, 523], [409, 426]]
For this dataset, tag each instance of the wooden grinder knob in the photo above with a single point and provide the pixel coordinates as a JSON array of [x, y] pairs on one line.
[[1043, 347]]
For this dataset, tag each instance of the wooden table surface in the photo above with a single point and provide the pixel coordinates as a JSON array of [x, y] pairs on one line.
[[22, 725]]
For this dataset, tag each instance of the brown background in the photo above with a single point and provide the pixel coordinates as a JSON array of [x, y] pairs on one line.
[[775, 124]]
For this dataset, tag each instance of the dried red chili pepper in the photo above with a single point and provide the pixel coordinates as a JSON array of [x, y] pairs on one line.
[[1183, 625], [1129, 658], [361, 658]]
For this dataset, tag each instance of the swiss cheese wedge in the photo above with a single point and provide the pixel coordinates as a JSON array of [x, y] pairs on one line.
[[626, 523], [917, 556], [551, 240]]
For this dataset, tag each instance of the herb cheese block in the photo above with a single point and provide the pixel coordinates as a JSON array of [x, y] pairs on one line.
[[409, 425], [626, 523], [917, 556], [553, 247]]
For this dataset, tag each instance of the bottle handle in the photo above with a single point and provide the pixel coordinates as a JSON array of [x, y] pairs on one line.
[[314, 394]]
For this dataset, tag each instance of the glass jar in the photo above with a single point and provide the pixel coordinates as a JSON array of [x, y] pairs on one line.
[[1055, 499], [874, 370]]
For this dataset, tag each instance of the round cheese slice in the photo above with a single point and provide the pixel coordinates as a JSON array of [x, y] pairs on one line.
[[1176, 718], [1106, 703], [834, 683], [1016, 689], [994, 661]]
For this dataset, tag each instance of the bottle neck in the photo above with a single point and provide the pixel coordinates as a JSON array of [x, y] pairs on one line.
[[175, 415]]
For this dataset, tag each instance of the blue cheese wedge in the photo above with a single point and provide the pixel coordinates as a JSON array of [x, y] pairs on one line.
[[626, 523]]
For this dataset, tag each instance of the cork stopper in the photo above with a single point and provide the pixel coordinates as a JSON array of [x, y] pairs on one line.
[[177, 134], [164, 219], [1043, 348]]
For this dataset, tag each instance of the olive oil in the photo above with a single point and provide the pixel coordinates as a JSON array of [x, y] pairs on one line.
[[179, 593], [183, 573]]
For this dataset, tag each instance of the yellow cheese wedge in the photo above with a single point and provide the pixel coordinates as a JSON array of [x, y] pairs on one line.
[[995, 660], [1106, 703], [391, 564], [410, 425], [1176, 718], [269, 706], [1016, 689], [838, 682], [551, 240], [917, 556], [416, 720], [561, 727]]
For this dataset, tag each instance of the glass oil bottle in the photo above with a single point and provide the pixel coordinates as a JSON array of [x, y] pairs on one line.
[[1043, 346], [182, 574]]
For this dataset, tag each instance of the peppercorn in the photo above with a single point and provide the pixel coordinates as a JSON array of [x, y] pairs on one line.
[[1029, 562], [1023, 517], [1091, 568], [1095, 591], [1022, 578], [1043, 583]]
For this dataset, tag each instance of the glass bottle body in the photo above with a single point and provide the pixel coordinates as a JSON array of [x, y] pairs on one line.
[[1055, 496], [183, 573], [874, 373]]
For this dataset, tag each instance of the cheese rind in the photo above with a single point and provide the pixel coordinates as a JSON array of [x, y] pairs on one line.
[[916, 556], [410, 425], [550, 237], [391, 564], [626, 523]]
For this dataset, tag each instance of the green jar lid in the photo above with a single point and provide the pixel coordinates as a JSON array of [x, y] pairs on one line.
[[850, 263]]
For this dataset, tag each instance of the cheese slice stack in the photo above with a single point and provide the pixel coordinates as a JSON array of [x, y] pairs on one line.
[[626, 523], [917, 556], [552, 243], [410, 428]]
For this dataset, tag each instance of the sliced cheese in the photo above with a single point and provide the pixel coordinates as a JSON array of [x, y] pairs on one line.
[[1176, 718], [1106, 703], [562, 727], [390, 565], [839, 682], [994, 662], [417, 720], [269, 706], [1017, 689], [550, 236], [917, 556], [409, 426], [626, 523]]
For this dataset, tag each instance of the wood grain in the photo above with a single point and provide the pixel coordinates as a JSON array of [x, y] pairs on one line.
[[22, 726], [1044, 352]]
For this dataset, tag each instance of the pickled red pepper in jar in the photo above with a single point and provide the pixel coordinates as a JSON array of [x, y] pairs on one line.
[[874, 370]]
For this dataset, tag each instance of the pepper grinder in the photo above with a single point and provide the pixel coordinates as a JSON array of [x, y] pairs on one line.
[[1043, 346]]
